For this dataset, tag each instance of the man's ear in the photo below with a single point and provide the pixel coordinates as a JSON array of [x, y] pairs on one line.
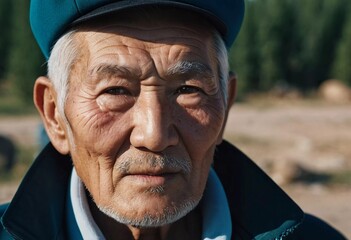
[[45, 100], [231, 94]]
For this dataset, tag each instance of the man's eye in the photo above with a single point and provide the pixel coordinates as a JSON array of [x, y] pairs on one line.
[[188, 90], [117, 91]]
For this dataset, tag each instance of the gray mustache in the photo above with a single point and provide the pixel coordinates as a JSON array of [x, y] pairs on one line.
[[164, 161]]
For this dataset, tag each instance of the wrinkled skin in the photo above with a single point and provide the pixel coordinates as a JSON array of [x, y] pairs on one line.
[[130, 102]]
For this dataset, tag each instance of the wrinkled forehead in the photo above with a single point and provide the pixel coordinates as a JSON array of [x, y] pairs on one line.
[[148, 28]]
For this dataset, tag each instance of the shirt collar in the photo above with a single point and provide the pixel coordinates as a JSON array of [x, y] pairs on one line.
[[217, 223], [86, 224], [215, 210]]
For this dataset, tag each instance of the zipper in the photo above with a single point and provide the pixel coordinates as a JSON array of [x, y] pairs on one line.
[[287, 232]]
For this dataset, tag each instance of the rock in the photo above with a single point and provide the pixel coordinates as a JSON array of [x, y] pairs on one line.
[[335, 91], [284, 172]]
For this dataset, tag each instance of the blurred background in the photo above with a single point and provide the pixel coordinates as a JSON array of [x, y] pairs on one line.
[[293, 112]]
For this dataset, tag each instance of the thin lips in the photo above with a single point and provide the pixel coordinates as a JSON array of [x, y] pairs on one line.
[[153, 172]]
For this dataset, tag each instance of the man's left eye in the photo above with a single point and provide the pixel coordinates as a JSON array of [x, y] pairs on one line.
[[188, 90]]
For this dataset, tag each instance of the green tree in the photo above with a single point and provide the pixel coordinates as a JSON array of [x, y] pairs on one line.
[[319, 29], [342, 65], [276, 27], [290, 41], [265, 50], [26, 61], [244, 54], [5, 35]]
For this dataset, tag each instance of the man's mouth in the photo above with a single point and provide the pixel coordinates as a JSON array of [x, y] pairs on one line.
[[151, 178]]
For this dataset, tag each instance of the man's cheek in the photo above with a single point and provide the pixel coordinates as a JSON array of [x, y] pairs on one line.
[[204, 123]]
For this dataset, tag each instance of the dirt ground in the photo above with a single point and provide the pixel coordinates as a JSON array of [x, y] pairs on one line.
[[284, 139]]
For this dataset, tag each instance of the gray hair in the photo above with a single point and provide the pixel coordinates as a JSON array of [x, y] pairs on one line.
[[221, 54], [61, 61], [66, 50]]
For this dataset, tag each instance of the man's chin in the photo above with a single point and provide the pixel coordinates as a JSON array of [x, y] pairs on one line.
[[147, 220]]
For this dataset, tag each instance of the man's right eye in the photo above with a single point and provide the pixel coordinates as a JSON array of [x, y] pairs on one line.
[[117, 91]]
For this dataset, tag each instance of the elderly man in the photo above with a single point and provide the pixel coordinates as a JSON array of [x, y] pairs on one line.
[[135, 103]]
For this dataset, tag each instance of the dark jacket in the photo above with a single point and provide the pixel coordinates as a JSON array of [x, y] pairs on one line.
[[259, 208]]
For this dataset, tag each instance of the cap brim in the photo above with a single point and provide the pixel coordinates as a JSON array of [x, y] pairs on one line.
[[124, 5]]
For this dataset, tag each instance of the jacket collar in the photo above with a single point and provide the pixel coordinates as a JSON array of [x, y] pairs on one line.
[[37, 209], [259, 208]]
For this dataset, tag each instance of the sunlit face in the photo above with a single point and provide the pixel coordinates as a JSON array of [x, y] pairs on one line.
[[146, 112]]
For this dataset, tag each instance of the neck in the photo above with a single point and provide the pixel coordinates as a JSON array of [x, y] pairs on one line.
[[159, 233], [186, 228]]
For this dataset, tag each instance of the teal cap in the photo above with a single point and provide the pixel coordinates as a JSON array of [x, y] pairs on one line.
[[50, 19]]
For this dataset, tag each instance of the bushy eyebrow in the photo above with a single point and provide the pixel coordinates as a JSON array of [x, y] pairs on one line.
[[104, 70], [190, 68], [182, 68]]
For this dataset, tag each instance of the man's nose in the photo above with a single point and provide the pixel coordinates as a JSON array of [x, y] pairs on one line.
[[154, 127]]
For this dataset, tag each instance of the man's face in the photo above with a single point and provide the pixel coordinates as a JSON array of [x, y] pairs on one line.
[[146, 113]]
